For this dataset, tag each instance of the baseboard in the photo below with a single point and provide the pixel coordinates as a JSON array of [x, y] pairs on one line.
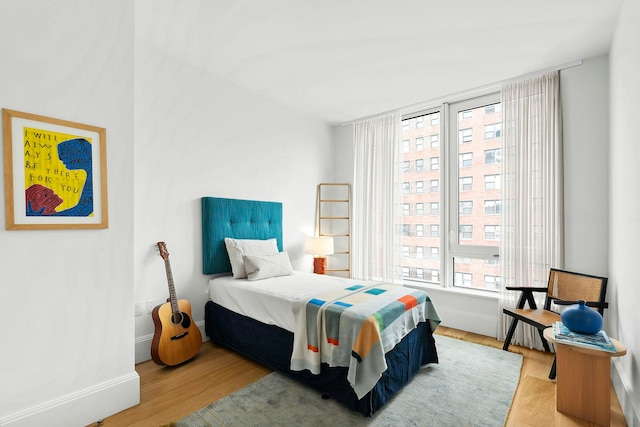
[[624, 397], [143, 344], [83, 407]]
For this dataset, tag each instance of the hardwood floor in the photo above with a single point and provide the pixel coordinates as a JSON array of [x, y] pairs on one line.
[[168, 394]]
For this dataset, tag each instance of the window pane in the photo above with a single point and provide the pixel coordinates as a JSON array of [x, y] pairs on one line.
[[422, 191], [479, 208], [476, 273]]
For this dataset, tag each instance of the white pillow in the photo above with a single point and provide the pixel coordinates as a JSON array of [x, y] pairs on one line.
[[236, 248], [263, 267]]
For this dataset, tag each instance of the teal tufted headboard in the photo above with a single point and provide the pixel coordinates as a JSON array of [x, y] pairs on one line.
[[238, 219]]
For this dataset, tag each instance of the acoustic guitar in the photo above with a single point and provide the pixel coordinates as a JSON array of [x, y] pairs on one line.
[[176, 338]]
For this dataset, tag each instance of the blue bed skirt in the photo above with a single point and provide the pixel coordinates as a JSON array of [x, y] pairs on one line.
[[272, 346]]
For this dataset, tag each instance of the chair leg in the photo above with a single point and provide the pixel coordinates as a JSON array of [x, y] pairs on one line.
[[552, 373], [512, 330], [544, 341]]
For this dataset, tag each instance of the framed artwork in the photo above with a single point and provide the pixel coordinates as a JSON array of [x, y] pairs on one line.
[[55, 173]]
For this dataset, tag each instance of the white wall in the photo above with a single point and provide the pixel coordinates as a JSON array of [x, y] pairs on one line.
[[197, 135], [624, 268], [67, 354]]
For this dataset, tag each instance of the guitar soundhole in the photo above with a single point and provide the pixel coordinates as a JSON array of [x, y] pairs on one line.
[[181, 319]]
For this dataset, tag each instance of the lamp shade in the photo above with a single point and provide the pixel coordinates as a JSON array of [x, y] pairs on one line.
[[321, 246]]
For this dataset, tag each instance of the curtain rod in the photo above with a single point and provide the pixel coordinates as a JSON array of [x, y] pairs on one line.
[[466, 93]]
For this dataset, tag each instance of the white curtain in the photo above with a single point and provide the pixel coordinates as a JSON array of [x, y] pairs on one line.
[[532, 206], [376, 203]]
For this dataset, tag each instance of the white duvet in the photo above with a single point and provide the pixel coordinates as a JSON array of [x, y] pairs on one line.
[[271, 301]]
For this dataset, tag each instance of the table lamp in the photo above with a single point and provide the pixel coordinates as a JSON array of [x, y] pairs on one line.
[[319, 247]]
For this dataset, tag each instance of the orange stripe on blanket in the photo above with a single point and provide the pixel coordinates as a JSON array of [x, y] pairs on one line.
[[409, 301], [312, 348], [368, 337], [333, 341]]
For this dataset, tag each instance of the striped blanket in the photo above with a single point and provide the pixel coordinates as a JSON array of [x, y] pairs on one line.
[[354, 327]]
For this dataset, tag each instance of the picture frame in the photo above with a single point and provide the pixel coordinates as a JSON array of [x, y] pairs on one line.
[[55, 173]]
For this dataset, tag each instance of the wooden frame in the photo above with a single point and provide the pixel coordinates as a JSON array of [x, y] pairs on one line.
[[55, 173]]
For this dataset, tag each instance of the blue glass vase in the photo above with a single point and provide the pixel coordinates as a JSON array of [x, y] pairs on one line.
[[582, 319]]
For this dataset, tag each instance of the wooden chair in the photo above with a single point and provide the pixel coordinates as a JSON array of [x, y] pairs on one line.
[[563, 288]]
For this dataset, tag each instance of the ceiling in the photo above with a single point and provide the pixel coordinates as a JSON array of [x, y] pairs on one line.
[[339, 61]]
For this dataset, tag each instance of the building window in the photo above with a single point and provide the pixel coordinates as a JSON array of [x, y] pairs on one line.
[[434, 230], [466, 232], [492, 157], [406, 168], [492, 232], [492, 207], [492, 131], [466, 183], [405, 252], [434, 208], [419, 252], [419, 208], [466, 160], [466, 207], [419, 144], [419, 230], [419, 122], [419, 186], [406, 230], [434, 185], [434, 141], [492, 182], [406, 187], [406, 209], [419, 165], [406, 145], [466, 135], [435, 163]]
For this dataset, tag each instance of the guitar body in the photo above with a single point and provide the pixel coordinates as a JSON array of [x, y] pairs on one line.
[[175, 340]]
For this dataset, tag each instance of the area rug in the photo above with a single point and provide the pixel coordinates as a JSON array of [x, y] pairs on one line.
[[473, 385]]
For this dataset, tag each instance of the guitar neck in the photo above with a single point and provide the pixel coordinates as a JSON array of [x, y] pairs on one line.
[[172, 288]]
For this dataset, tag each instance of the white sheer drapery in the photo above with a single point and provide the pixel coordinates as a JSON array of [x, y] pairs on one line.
[[376, 203], [532, 220]]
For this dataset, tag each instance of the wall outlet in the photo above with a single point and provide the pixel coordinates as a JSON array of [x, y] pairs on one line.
[[150, 305], [138, 309]]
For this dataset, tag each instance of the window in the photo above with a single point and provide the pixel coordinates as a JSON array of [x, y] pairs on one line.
[[406, 145], [492, 207], [466, 183], [466, 135], [466, 160], [406, 209], [466, 232], [466, 207], [419, 186], [458, 246], [406, 168], [492, 156], [492, 182], [419, 122], [435, 163], [434, 140], [492, 131]]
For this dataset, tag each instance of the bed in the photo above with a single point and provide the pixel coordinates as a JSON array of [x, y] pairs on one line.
[[259, 314]]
